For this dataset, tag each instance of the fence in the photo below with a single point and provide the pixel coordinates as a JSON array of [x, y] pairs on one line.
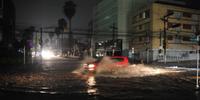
[[172, 55]]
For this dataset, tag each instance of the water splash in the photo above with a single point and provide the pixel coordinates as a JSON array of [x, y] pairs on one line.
[[107, 68], [80, 69], [139, 70]]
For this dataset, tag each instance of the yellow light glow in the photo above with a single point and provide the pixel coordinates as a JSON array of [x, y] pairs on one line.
[[91, 82]]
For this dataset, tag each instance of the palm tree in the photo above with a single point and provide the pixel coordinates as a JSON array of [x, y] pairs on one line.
[[69, 11]]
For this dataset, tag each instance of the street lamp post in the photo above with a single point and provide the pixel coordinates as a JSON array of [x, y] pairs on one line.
[[41, 43], [165, 20], [197, 80], [197, 39], [91, 38], [114, 36], [165, 40]]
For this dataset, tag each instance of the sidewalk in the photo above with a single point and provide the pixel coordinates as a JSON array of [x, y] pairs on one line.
[[188, 64]]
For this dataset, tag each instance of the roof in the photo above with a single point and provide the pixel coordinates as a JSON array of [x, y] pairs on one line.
[[177, 4]]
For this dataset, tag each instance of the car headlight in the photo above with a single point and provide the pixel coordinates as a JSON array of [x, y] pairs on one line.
[[91, 66], [85, 65]]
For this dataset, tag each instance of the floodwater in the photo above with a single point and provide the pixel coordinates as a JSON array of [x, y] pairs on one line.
[[136, 82]]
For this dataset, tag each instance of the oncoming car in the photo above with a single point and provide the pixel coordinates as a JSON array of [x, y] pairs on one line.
[[117, 61]]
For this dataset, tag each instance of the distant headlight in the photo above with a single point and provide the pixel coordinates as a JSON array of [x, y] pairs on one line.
[[47, 54]]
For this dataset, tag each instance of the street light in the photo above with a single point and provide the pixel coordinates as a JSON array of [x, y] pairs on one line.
[[197, 80], [165, 20], [114, 37], [41, 42], [197, 34]]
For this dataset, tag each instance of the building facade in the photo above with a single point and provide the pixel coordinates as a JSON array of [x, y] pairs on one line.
[[147, 32], [111, 21]]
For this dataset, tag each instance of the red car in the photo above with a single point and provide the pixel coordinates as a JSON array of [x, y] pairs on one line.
[[118, 61]]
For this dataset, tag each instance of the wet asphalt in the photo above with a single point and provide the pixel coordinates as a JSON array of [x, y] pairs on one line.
[[58, 79]]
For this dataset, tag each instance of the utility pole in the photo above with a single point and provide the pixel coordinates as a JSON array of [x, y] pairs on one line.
[[197, 34], [24, 55], [36, 44], [91, 37], [165, 40], [114, 28], [147, 47], [114, 37], [165, 20], [92, 34], [197, 80], [62, 44], [41, 43]]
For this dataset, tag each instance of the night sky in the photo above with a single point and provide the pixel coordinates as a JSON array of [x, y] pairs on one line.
[[46, 12]]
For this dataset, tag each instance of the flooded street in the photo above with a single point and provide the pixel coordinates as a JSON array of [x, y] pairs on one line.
[[60, 80]]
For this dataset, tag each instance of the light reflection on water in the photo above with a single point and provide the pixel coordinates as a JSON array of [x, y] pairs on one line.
[[91, 82]]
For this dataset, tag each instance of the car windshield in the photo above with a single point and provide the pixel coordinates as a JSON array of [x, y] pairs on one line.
[[99, 59], [117, 59]]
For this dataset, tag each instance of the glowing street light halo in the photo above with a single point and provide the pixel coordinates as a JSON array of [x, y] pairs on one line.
[[47, 54]]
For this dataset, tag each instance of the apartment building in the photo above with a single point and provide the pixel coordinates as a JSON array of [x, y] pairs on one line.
[[112, 17], [146, 30]]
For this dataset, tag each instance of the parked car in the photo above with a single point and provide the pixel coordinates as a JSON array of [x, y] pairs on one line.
[[117, 61]]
